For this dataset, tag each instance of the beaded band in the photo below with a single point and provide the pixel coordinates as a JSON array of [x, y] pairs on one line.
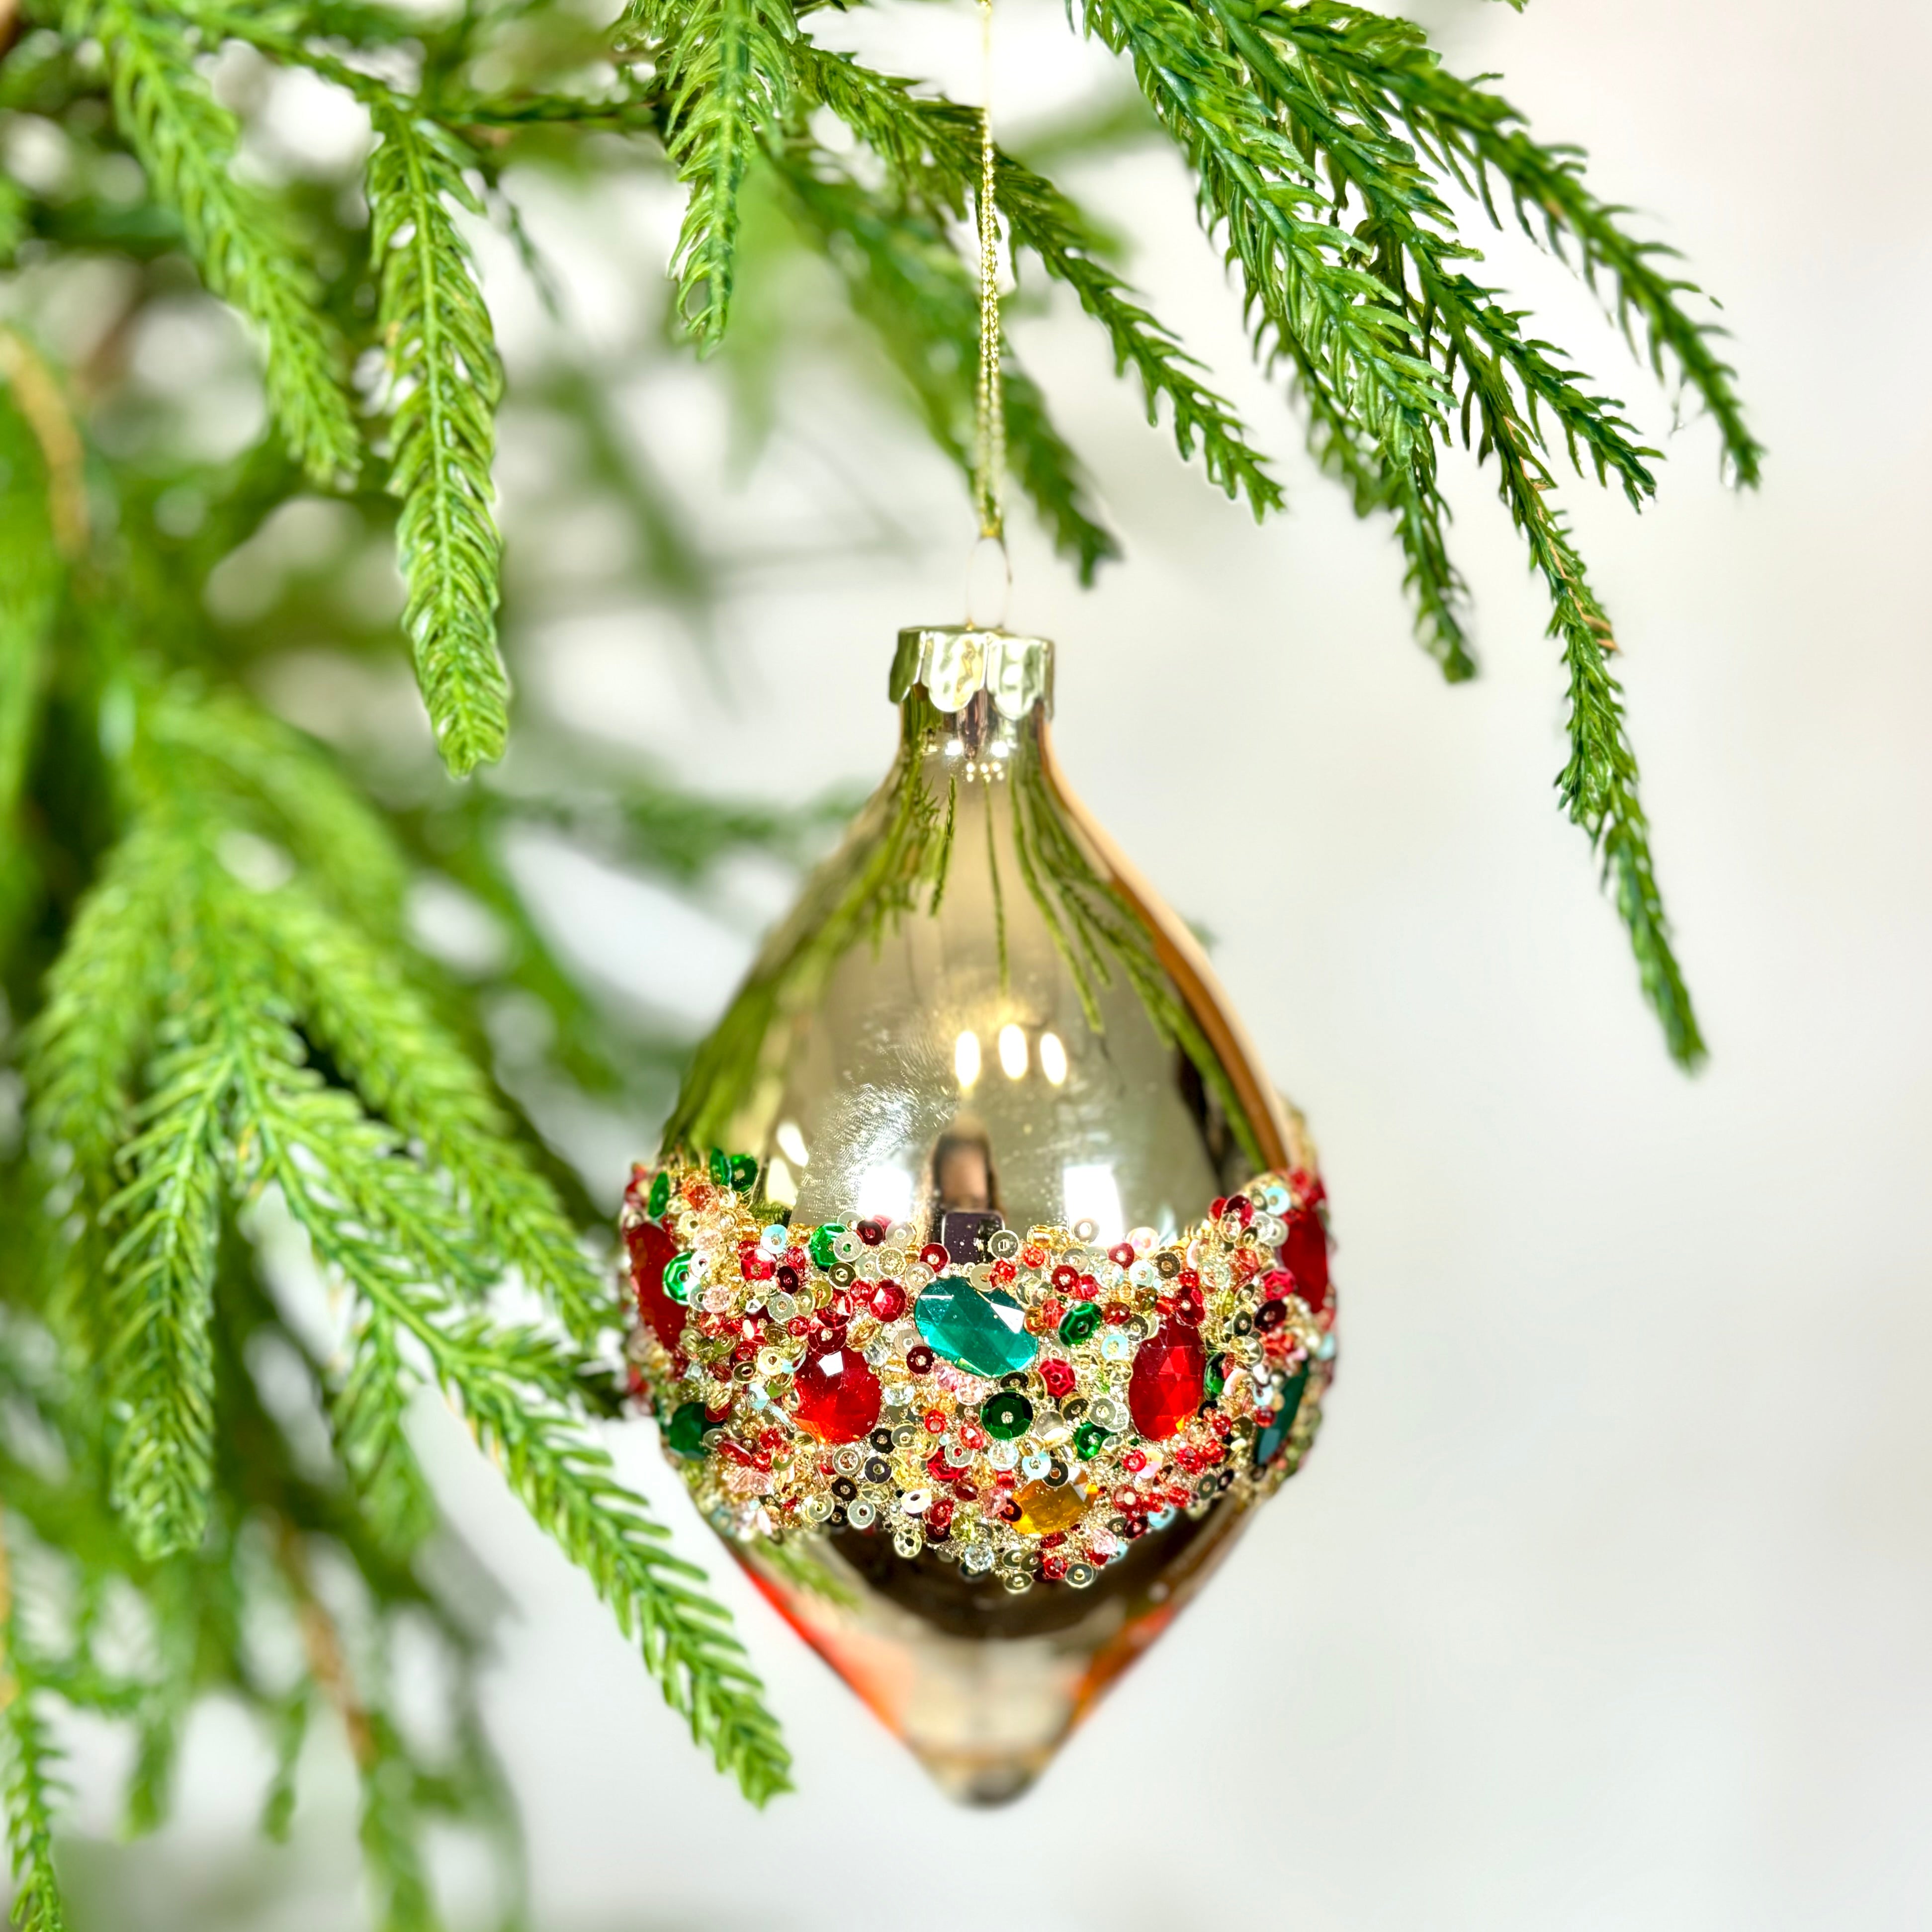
[[1027, 1404]]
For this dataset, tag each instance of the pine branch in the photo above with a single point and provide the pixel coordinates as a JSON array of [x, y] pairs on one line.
[[1306, 276], [721, 68], [27, 1787], [1412, 232], [383, 1037], [1408, 492], [906, 278], [1388, 70], [445, 384], [160, 1283], [1598, 784], [932, 147], [375, 1220], [186, 144], [29, 589]]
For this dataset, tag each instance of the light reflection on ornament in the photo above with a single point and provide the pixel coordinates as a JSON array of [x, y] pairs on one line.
[[791, 1144], [966, 1058], [1092, 1194], [1052, 1059], [1013, 1051]]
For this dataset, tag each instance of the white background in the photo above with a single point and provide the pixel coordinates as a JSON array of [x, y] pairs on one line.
[[1606, 1599]]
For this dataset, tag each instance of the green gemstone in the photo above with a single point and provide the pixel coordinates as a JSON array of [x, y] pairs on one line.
[[822, 1253], [677, 1277], [685, 1434], [1087, 1440], [1007, 1415], [660, 1194], [1270, 1439], [744, 1172], [1215, 1381], [1079, 1322], [985, 1332], [721, 1168]]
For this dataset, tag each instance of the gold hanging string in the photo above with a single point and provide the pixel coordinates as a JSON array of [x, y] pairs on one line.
[[989, 459]]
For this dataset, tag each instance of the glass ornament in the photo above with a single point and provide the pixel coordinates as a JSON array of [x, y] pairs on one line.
[[978, 1027]]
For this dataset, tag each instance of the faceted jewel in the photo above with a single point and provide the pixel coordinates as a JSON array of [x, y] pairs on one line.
[[985, 1332]]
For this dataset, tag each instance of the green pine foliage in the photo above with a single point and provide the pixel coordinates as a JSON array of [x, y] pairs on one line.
[[236, 1060]]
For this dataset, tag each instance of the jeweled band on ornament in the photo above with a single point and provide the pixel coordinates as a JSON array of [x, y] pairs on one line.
[[1025, 1403]]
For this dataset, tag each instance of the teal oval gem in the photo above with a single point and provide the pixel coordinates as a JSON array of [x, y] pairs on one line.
[[686, 1435], [677, 1277], [1079, 1323], [985, 1332], [1273, 1436], [823, 1252], [660, 1194]]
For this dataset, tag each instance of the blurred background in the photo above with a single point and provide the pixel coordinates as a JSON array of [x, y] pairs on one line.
[[1607, 1598]]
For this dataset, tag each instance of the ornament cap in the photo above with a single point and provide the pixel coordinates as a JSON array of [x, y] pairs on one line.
[[956, 662]]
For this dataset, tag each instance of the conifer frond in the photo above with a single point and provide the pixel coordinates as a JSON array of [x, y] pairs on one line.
[[932, 146], [385, 1040], [906, 278], [446, 383], [29, 589], [722, 66], [160, 1286], [509, 1384], [1304, 275], [1385, 68], [28, 1789], [187, 142]]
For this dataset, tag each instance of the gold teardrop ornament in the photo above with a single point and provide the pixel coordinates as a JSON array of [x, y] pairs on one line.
[[982, 1282]]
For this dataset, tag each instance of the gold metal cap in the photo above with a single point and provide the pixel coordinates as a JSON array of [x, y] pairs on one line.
[[955, 661]]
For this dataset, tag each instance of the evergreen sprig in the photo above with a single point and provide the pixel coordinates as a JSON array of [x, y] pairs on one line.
[[722, 69], [240, 239], [445, 385]]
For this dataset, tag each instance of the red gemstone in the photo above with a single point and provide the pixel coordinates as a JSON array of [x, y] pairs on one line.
[[1304, 1254], [1057, 1375], [1169, 1379], [838, 1395], [651, 1252], [888, 1301]]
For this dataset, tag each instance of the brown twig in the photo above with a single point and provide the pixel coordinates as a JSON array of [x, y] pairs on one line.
[[9, 1687], [38, 395], [321, 1644]]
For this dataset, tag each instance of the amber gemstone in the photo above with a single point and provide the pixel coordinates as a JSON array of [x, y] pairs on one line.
[[1168, 1380], [1045, 1509], [838, 1395], [651, 1252]]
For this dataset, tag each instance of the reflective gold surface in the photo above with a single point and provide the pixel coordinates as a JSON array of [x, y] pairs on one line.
[[977, 1006]]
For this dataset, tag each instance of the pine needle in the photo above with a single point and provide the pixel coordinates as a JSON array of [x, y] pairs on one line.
[[187, 142], [446, 383]]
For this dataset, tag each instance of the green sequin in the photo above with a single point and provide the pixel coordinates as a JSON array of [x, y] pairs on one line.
[[686, 1435], [721, 1168], [1079, 1323], [823, 1255], [677, 1277], [660, 1194], [1007, 1415], [744, 1172]]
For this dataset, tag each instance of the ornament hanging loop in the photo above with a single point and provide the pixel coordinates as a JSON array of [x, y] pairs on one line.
[[989, 456], [989, 584]]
